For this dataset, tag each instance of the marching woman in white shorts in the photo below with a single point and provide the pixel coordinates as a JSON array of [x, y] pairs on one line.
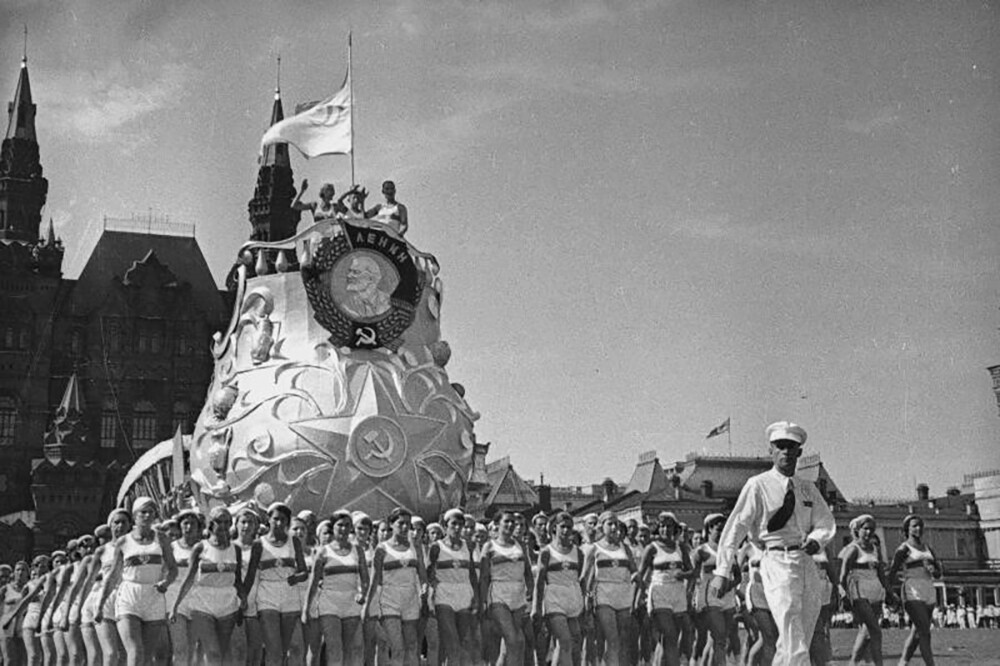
[[29, 608], [212, 590], [144, 563], [559, 590], [919, 567], [119, 524], [191, 526], [668, 565], [88, 596], [398, 579], [337, 588], [608, 573], [71, 623], [862, 575], [506, 584], [717, 613], [452, 576], [277, 566], [248, 648]]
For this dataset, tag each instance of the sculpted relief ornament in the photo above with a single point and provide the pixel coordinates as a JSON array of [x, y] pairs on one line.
[[330, 389]]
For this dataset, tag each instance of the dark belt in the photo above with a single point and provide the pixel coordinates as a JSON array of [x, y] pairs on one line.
[[915, 565], [453, 564], [338, 569], [264, 565], [786, 549], [606, 564]]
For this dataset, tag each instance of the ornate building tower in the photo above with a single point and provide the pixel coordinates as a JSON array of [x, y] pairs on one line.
[[22, 187], [271, 214]]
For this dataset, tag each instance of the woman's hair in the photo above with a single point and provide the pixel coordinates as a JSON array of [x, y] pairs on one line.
[[906, 523], [398, 513], [281, 508]]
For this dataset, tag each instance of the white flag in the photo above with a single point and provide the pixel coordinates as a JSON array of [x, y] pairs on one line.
[[322, 129]]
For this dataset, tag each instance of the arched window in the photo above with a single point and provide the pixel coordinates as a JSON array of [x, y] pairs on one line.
[[143, 425], [8, 421]]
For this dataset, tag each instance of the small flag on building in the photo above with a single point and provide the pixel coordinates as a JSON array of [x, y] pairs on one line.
[[718, 430]]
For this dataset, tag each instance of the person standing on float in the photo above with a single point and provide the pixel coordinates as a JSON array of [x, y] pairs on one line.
[[787, 517]]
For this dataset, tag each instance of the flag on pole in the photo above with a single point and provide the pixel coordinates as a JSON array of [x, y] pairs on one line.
[[718, 430], [317, 128]]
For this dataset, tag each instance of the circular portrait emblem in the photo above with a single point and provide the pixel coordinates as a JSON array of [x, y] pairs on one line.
[[364, 287], [361, 283]]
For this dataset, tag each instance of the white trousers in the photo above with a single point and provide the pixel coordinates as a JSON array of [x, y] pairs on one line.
[[793, 591]]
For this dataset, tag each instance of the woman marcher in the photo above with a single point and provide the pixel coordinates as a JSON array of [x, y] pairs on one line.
[[559, 591], [452, 576], [248, 645], [181, 641], [119, 524], [10, 627], [29, 609], [72, 630], [821, 649], [608, 571], [56, 582], [758, 614], [144, 563], [91, 568], [277, 566], [337, 588], [398, 579], [862, 575], [667, 563], [505, 585], [718, 614], [212, 590], [919, 567]]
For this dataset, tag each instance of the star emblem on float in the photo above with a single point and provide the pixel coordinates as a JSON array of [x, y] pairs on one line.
[[363, 286], [373, 441]]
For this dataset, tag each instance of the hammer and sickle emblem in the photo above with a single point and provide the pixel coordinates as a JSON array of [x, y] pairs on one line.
[[381, 447], [366, 335]]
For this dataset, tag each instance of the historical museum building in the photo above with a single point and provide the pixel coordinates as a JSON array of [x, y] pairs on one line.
[[95, 371]]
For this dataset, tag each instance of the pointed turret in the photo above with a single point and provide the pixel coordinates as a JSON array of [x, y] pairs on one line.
[[50, 236], [271, 215], [67, 434], [21, 111], [22, 187]]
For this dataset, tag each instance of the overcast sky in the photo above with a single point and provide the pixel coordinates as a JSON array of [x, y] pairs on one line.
[[651, 216]]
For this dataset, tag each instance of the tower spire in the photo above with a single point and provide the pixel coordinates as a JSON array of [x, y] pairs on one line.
[[22, 188], [271, 215]]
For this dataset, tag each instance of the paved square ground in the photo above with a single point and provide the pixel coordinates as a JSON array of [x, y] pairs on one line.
[[951, 646]]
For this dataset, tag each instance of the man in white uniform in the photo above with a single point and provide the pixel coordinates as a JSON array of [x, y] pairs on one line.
[[787, 518]]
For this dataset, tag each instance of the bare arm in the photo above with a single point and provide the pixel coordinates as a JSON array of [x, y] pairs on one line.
[[255, 550], [376, 581], [301, 571], [169, 564], [193, 562], [315, 576]]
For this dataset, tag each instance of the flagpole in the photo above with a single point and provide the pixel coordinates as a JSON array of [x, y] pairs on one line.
[[729, 436], [350, 82]]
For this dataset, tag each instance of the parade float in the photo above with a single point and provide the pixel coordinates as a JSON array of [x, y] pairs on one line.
[[330, 387]]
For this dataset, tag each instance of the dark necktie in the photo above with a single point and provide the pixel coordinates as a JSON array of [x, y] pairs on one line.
[[781, 516]]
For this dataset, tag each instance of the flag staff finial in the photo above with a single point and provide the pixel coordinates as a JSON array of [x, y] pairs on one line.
[[277, 80], [24, 57]]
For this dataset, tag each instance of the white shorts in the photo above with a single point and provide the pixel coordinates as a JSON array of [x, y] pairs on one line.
[[140, 600]]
